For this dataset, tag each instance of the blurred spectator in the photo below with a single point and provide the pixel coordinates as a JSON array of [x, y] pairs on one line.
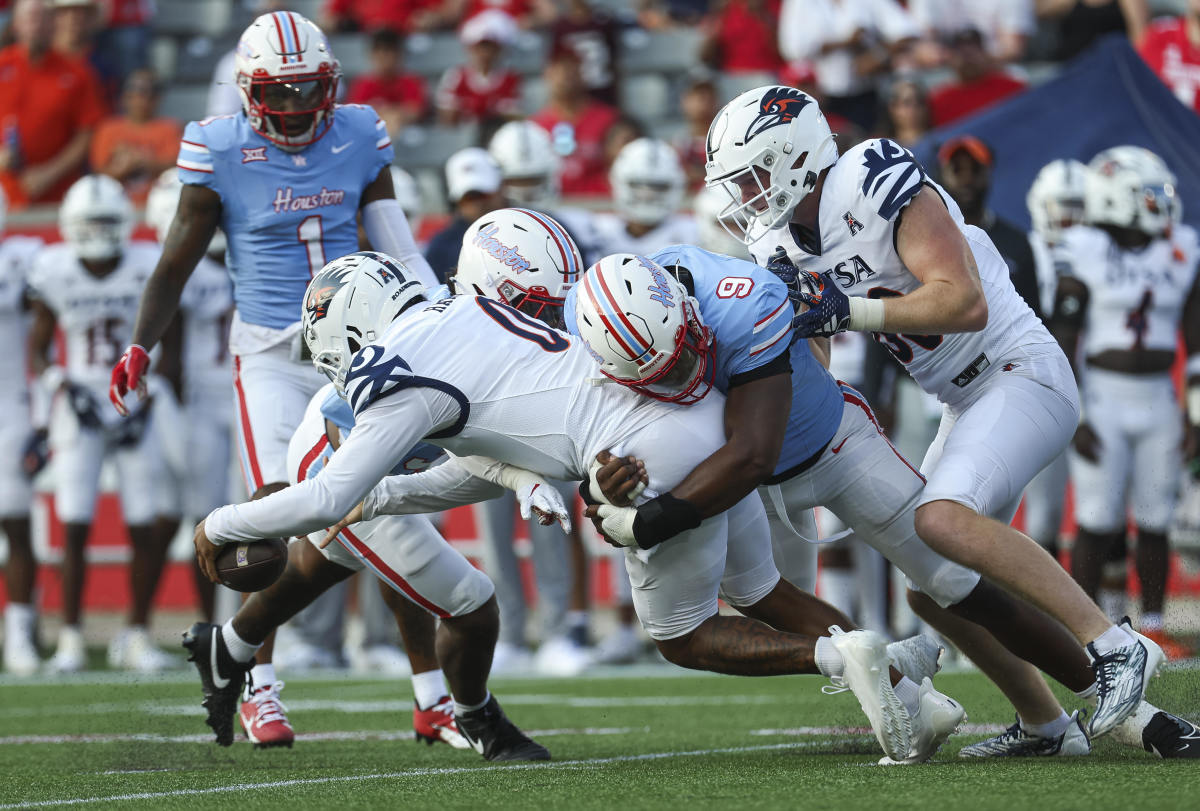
[[370, 15], [965, 164], [801, 76], [739, 37], [1006, 24], [136, 147], [75, 25], [592, 33], [699, 105], [980, 83], [49, 105], [527, 13], [625, 130], [656, 15], [126, 37], [473, 185], [848, 42], [398, 97], [481, 90], [1082, 22], [906, 118], [1172, 48], [578, 125]]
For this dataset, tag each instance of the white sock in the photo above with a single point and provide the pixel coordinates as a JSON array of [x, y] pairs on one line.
[[263, 675], [1050, 729], [1129, 731], [239, 649], [909, 693], [1151, 621], [19, 619], [1112, 603], [1115, 637], [828, 660], [463, 709], [428, 687], [838, 588]]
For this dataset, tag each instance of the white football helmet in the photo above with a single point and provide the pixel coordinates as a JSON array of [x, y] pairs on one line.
[[349, 304], [96, 218], [708, 204], [528, 164], [647, 181], [1056, 198], [766, 149], [1131, 187], [160, 210], [287, 78], [644, 329], [522, 258], [407, 195]]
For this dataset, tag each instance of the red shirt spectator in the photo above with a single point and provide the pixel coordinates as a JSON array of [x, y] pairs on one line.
[[368, 15], [481, 89], [959, 100], [407, 90], [517, 9], [398, 97], [130, 12], [742, 37], [1175, 57], [577, 125]]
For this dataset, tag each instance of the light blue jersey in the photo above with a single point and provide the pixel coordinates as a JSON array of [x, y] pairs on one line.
[[748, 310], [285, 213]]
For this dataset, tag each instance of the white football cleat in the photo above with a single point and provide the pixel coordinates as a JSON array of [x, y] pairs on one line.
[[561, 657], [918, 657], [511, 660], [71, 656], [142, 656], [866, 673], [1122, 675], [936, 721], [21, 654], [1016, 742]]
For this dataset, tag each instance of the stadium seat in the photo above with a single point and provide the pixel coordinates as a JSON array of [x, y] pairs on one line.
[[184, 102], [193, 17], [647, 97], [430, 54], [309, 8], [198, 57], [644, 51], [430, 147], [533, 95], [730, 85], [352, 53], [528, 53]]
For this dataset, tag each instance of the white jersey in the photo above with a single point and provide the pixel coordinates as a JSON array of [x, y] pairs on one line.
[[1135, 297], [861, 201], [473, 376], [207, 304], [16, 254], [678, 229], [95, 314]]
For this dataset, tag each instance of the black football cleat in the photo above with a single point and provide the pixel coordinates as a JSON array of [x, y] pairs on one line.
[[221, 677], [492, 735], [1170, 736]]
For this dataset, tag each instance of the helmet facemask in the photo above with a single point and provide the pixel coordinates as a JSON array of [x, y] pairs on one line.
[[294, 111], [765, 193], [686, 376]]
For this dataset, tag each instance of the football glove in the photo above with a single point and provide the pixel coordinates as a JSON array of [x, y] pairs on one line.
[[828, 307], [617, 523], [128, 375], [538, 499], [35, 453]]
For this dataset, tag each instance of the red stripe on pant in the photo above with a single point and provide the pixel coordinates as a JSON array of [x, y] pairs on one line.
[[388, 574], [858, 401], [247, 434]]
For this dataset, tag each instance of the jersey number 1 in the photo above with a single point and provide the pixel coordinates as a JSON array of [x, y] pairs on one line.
[[309, 232]]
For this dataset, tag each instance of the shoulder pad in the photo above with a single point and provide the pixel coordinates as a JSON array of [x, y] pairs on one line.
[[375, 372], [888, 175]]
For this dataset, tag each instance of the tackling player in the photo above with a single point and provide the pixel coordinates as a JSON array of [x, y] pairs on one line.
[[881, 248], [286, 179]]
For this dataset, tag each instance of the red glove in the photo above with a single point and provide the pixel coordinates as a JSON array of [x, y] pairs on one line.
[[128, 376]]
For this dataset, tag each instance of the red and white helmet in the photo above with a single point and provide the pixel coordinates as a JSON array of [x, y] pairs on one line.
[[1056, 198], [522, 258], [288, 78], [644, 329], [647, 181], [766, 149], [1131, 187]]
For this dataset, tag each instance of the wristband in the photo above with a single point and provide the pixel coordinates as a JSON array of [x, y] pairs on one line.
[[662, 518], [585, 492], [866, 314], [1193, 403]]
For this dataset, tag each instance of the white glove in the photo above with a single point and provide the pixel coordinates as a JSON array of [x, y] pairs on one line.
[[598, 494], [617, 523], [537, 498]]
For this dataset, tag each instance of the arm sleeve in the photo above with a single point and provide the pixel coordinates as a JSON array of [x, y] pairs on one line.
[[447, 485], [770, 335], [388, 231], [397, 421]]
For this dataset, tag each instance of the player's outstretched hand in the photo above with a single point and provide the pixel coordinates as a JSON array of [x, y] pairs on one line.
[[1087, 443], [828, 308], [540, 500], [128, 375], [353, 517], [620, 478], [206, 553]]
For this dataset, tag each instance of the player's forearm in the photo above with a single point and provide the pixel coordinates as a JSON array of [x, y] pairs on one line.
[[293, 511], [937, 307], [160, 303], [442, 487], [725, 478]]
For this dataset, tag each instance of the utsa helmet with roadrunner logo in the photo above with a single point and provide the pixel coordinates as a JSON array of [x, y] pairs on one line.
[[1131, 187], [1056, 198], [647, 181], [96, 218], [522, 258], [349, 304], [644, 329], [765, 150], [287, 78]]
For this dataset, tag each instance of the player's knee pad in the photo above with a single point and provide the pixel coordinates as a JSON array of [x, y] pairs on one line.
[[948, 584], [471, 592]]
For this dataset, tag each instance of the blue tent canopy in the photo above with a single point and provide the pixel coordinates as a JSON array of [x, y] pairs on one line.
[[1106, 97]]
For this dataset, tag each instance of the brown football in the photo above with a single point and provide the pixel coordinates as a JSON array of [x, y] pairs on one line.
[[252, 566]]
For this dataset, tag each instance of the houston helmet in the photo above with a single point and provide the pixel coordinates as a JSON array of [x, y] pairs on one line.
[[766, 149], [287, 78], [644, 329], [160, 209], [522, 258], [647, 181], [96, 218], [529, 165], [1056, 198], [349, 304], [1131, 187]]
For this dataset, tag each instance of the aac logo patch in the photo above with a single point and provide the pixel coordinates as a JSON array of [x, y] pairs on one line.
[[853, 224]]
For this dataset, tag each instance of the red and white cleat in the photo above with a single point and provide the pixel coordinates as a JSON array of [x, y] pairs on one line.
[[437, 724], [265, 718]]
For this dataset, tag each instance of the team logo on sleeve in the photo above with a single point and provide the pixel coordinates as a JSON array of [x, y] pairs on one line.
[[254, 153], [779, 105]]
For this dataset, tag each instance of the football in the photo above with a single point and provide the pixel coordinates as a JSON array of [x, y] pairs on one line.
[[252, 566]]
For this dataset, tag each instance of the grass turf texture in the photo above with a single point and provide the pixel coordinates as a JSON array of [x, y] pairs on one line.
[[650, 739]]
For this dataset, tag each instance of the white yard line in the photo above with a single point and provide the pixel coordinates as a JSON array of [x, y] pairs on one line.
[[351, 735], [356, 778]]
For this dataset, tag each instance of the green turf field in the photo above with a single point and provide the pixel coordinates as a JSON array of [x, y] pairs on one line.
[[652, 738]]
